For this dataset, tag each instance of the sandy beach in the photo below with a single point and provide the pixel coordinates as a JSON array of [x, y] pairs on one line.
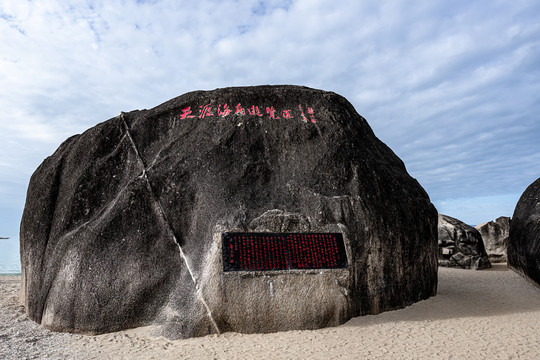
[[488, 314]]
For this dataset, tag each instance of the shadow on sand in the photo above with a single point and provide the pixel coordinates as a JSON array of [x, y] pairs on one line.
[[466, 293]]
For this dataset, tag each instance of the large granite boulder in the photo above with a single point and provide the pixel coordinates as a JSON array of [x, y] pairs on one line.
[[495, 236], [460, 245], [524, 243], [123, 225]]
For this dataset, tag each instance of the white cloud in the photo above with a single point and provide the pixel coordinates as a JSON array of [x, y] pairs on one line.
[[452, 87], [478, 210]]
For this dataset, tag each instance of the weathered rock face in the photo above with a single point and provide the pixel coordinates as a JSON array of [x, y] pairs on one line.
[[524, 242], [460, 245], [122, 225], [495, 236]]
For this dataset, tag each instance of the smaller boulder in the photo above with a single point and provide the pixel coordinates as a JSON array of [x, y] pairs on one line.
[[495, 236], [460, 245], [524, 240]]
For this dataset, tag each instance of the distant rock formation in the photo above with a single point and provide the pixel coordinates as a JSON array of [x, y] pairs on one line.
[[495, 236], [524, 242], [460, 245], [123, 225]]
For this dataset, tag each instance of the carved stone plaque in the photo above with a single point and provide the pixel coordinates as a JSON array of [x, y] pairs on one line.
[[283, 251]]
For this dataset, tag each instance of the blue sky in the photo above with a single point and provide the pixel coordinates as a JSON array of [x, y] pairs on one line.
[[453, 87]]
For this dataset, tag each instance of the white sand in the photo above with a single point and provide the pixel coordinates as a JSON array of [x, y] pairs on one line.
[[488, 314]]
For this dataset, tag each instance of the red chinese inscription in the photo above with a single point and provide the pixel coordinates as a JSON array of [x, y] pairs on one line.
[[287, 114], [204, 111], [271, 112], [240, 110], [254, 111], [226, 111], [186, 113], [223, 110]]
